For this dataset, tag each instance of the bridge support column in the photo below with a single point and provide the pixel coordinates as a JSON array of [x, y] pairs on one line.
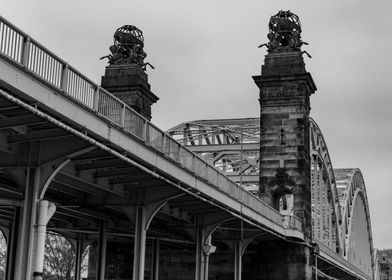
[[200, 258], [238, 260], [78, 257], [155, 260], [148, 205], [45, 211], [140, 244], [101, 260], [12, 246], [207, 250], [203, 251], [276, 259], [27, 215]]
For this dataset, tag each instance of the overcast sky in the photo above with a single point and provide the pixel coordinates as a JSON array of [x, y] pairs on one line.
[[205, 53]]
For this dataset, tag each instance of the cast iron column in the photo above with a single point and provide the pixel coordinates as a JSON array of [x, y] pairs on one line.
[[140, 244]]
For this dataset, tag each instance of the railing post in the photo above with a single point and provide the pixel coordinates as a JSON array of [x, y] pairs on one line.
[[193, 164], [163, 143], [25, 51], [64, 77], [144, 132], [96, 99], [180, 148], [122, 116]]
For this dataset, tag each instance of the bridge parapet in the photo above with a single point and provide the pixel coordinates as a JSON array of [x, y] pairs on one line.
[[31, 57]]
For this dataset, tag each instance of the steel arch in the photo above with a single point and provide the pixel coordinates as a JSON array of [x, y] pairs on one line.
[[352, 194], [322, 167]]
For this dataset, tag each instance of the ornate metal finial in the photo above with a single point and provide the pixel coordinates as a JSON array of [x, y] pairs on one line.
[[128, 47], [284, 33]]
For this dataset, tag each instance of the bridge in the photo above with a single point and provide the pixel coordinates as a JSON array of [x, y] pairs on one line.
[[87, 164]]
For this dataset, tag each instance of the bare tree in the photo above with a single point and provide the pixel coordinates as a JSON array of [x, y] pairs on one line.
[[59, 261], [3, 256]]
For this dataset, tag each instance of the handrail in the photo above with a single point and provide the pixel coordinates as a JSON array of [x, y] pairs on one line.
[[325, 249], [49, 68]]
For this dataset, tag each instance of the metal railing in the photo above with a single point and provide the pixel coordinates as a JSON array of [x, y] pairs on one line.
[[338, 258], [46, 66]]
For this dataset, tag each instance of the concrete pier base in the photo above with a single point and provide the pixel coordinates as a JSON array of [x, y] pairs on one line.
[[277, 260]]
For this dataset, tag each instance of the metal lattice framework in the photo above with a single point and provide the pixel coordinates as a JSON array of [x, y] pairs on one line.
[[356, 233], [340, 212], [326, 213], [231, 145]]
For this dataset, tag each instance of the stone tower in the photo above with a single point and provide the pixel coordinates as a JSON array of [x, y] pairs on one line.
[[285, 88], [125, 76]]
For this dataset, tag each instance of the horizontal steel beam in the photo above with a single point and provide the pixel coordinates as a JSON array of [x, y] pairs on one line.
[[40, 135], [111, 162], [20, 121], [224, 147]]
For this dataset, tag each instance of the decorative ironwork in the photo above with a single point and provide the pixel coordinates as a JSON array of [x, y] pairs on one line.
[[128, 47], [284, 33]]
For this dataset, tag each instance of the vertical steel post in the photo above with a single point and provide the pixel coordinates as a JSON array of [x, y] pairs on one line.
[[140, 244], [41, 232], [155, 260], [12, 246], [145, 135], [206, 264], [101, 260], [64, 77], [25, 51], [78, 257], [96, 99], [200, 260], [208, 249], [45, 212], [26, 234], [242, 156], [237, 260], [122, 116]]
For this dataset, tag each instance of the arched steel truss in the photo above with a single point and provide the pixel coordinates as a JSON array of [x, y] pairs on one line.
[[232, 145], [356, 225], [326, 214]]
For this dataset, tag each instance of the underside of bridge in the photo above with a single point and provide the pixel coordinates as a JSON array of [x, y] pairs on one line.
[[103, 200], [83, 163]]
